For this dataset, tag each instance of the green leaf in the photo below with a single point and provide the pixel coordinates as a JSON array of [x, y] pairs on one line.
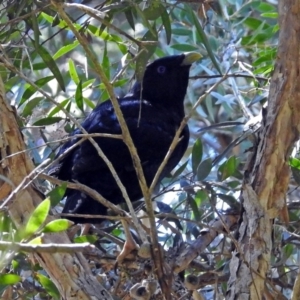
[[78, 96], [50, 63], [65, 49], [266, 57], [288, 250], [184, 47], [31, 90], [37, 218], [49, 286], [296, 174], [180, 170], [57, 225], [271, 15], [30, 105], [57, 194], [36, 241], [108, 17], [154, 10], [12, 82], [275, 28], [167, 24], [117, 83], [86, 239], [98, 33], [230, 200], [89, 103], [145, 21], [57, 108], [194, 207], [56, 20], [265, 7], [36, 30], [130, 18], [105, 62], [253, 23], [181, 31], [264, 70], [204, 169], [15, 264], [117, 232], [88, 83], [200, 197], [197, 153], [143, 58], [203, 37], [260, 35], [9, 279], [294, 162], [73, 72], [47, 121], [228, 168]]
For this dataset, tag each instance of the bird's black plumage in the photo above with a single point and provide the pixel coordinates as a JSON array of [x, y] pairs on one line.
[[153, 111]]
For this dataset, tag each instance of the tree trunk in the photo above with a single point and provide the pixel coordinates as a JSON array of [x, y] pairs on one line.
[[70, 273], [267, 175]]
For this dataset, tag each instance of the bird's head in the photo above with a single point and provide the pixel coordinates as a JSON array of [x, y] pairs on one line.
[[165, 80]]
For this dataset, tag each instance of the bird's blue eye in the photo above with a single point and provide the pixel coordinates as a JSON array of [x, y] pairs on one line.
[[161, 69]]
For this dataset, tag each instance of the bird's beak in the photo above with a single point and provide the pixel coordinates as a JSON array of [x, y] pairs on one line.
[[190, 58]]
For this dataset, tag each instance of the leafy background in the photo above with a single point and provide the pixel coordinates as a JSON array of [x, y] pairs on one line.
[[48, 66]]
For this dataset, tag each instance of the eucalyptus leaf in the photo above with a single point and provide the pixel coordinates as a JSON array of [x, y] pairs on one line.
[[37, 218]]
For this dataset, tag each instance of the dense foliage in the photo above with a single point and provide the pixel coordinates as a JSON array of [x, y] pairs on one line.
[[50, 79]]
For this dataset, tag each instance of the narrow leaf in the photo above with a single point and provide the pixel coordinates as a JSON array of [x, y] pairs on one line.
[[204, 169], [36, 241], [49, 286], [50, 63], [78, 96], [73, 72], [8, 279], [89, 103], [47, 121], [88, 83], [167, 24], [57, 225], [31, 90], [228, 168], [129, 16], [154, 10], [184, 47], [203, 37], [86, 239], [65, 49], [57, 194], [197, 153], [194, 208], [57, 108], [37, 218], [30, 105], [143, 58], [180, 170], [105, 62]]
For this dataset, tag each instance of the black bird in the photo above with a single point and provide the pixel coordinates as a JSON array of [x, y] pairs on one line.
[[153, 111]]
